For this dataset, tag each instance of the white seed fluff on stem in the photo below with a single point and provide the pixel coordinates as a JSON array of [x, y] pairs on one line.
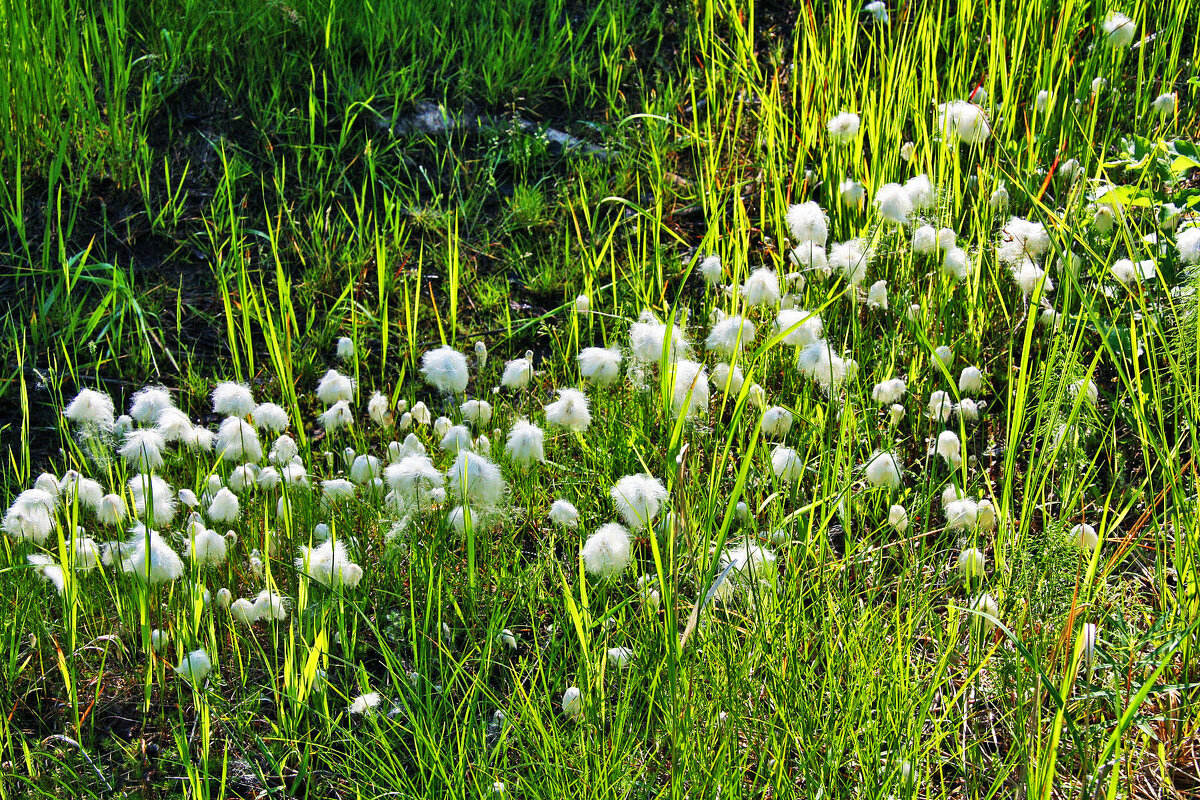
[[526, 444], [284, 450], [761, 288], [1119, 29], [1164, 104], [851, 259], [883, 471], [48, 570], [606, 553], [335, 387], [889, 392], [852, 192], [173, 425], [336, 417], [91, 409], [985, 604], [972, 563], [843, 127], [518, 373], [808, 222], [638, 499], [924, 240], [148, 556], [920, 191], [776, 422], [961, 514], [111, 511], [194, 667], [967, 410], [477, 413], [270, 605], [570, 410], [898, 518], [945, 354], [345, 349], [877, 296], [148, 403], [237, 440], [224, 507], [964, 122], [1187, 242], [956, 264], [799, 328], [414, 479], [475, 481], [153, 499], [378, 411], [895, 414], [724, 376], [785, 464], [710, 268], [689, 396], [365, 469], [564, 514], [330, 565], [456, 437], [599, 366], [206, 547], [271, 417], [810, 257], [619, 657], [970, 381], [572, 703], [730, 335], [232, 399], [893, 203], [950, 448], [143, 449], [1085, 537], [445, 369]]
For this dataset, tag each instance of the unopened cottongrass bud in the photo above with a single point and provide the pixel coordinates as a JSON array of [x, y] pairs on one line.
[[421, 414], [481, 354], [852, 192], [1085, 537], [564, 514], [345, 348], [776, 422], [445, 369], [742, 512], [877, 296], [908, 151], [950, 448], [572, 703], [985, 516], [883, 471], [843, 127], [1087, 644], [606, 553], [972, 563], [582, 304], [898, 518]]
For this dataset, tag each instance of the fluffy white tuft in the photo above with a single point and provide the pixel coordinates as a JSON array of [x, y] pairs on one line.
[[606, 553], [445, 369]]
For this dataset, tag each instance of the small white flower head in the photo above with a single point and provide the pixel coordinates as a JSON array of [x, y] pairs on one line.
[[526, 444], [481, 354], [1091, 392], [985, 604], [898, 518], [725, 377], [730, 335], [378, 411], [570, 410], [894, 203], [148, 403], [335, 387], [944, 354], [957, 264], [1085, 537], [920, 191], [810, 257], [237, 440], [985, 516], [518, 372], [1133, 273], [999, 198], [776, 422], [978, 96], [762, 288], [757, 397], [582, 304], [48, 570], [149, 557], [224, 506], [414, 479], [207, 547], [1164, 104], [1119, 29], [878, 11], [843, 127], [883, 471], [271, 417], [800, 328], [620, 657], [711, 269], [1187, 241], [606, 553], [967, 410], [365, 703], [270, 605], [477, 413], [441, 425], [1098, 85], [572, 703], [564, 514], [970, 381], [808, 222], [599, 366], [895, 414], [972, 563], [224, 598], [963, 122], [949, 447], [329, 565], [143, 449], [194, 667], [345, 348], [877, 296], [153, 498], [851, 259], [284, 450], [111, 511], [232, 399], [818, 363], [1042, 101], [445, 369], [336, 417], [91, 409], [924, 240], [457, 437], [475, 481], [689, 384], [889, 392], [638, 499], [908, 152], [785, 464]]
